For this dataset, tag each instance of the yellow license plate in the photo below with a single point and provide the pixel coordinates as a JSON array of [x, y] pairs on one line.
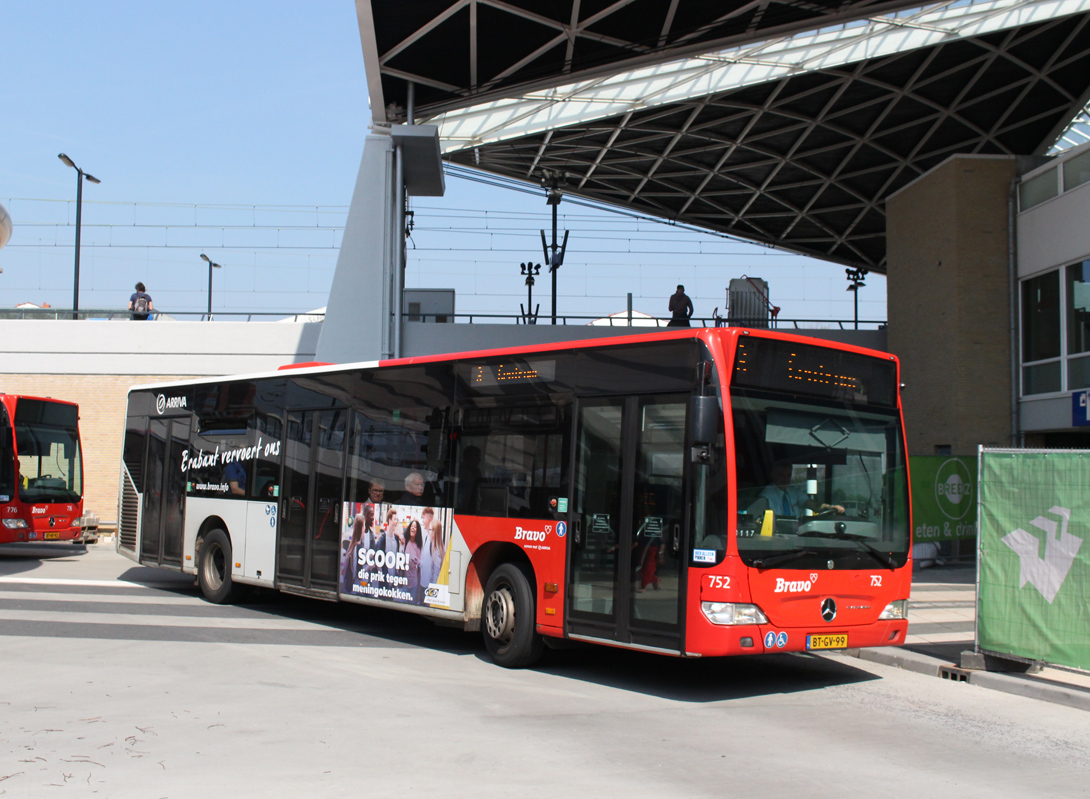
[[51, 535], [838, 641]]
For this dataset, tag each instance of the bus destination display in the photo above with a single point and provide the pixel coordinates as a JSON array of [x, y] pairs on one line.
[[806, 369], [511, 372]]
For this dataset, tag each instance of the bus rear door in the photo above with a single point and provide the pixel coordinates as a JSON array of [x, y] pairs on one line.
[[309, 545], [626, 574]]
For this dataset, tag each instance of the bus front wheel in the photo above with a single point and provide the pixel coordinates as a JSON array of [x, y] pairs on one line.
[[214, 571], [508, 620]]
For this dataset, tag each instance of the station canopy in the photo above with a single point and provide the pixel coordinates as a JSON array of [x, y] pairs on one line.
[[783, 122]]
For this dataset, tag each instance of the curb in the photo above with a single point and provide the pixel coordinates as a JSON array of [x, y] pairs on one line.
[[1020, 685]]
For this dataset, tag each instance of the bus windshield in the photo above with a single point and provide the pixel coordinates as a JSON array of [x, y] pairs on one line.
[[820, 484], [48, 453]]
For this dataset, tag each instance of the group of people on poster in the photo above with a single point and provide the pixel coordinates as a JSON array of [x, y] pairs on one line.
[[394, 551]]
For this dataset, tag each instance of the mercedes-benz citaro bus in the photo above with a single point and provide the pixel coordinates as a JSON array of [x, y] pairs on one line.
[[41, 470], [694, 493]]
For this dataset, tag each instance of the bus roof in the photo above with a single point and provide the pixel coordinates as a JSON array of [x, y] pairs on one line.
[[705, 333]]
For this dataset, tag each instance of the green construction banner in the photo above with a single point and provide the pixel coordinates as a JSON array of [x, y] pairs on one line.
[[943, 498], [1033, 600]]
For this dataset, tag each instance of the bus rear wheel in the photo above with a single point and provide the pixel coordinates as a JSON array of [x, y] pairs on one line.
[[214, 569], [508, 618]]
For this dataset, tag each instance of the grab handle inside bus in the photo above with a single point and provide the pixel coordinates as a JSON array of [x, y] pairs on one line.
[[675, 542], [578, 532]]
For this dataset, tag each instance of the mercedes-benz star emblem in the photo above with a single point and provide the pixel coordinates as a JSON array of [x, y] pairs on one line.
[[52, 521], [828, 609]]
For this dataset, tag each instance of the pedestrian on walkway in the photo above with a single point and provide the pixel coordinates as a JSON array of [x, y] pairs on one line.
[[681, 308]]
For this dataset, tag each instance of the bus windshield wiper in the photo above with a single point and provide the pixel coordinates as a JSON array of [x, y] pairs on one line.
[[882, 557], [783, 557]]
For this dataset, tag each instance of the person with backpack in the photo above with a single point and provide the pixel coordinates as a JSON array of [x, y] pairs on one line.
[[140, 303]]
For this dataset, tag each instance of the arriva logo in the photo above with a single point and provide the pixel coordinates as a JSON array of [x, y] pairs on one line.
[[529, 535], [1047, 574], [794, 586], [163, 403]]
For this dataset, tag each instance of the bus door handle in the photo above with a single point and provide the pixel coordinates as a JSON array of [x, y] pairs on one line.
[[578, 531], [675, 542]]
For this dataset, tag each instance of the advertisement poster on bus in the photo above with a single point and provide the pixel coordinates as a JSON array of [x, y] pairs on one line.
[[394, 552]]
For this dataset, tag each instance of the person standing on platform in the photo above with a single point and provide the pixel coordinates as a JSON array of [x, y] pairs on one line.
[[681, 308], [140, 304]]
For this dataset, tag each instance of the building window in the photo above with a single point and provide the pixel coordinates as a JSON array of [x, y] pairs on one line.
[[1078, 308], [1056, 330], [1038, 189], [1041, 339], [1076, 171]]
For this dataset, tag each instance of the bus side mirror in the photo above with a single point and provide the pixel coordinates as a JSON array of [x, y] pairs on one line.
[[704, 417]]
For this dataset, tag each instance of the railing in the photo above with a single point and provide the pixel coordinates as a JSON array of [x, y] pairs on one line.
[[620, 320], [114, 314]]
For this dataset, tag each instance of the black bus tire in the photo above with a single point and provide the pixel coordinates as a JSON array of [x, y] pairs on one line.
[[508, 618], [214, 568]]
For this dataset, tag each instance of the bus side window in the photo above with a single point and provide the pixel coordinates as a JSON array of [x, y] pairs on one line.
[[511, 468]]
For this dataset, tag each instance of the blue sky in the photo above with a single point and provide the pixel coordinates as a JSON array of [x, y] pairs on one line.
[[236, 129]]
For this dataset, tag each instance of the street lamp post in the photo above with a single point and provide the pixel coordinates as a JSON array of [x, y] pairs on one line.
[[530, 270], [211, 265], [554, 254], [80, 175], [855, 276]]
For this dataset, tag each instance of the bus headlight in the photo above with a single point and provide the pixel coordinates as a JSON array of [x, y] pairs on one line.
[[16, 524], [733, 613], [898, 609]]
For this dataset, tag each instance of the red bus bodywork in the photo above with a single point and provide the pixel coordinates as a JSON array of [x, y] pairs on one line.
[[793, 600], [25, 518]]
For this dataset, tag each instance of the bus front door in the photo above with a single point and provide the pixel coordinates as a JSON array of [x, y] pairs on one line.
[[308, 548], [628, 521], [163, 522]]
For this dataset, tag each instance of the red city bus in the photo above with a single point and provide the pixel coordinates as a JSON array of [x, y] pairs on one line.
[[694, 493], [41, 470]]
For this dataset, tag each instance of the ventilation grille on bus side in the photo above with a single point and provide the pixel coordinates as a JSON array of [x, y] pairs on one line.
[[130, 513]]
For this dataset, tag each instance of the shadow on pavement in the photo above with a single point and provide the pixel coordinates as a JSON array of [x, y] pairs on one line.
[[24, 558], [684, 680], [702, 679], [164, 579]]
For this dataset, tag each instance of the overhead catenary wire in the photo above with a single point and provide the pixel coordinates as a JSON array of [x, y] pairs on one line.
[[468, 246]]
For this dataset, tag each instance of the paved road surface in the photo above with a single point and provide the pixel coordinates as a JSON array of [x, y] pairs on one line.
[[120, 681]]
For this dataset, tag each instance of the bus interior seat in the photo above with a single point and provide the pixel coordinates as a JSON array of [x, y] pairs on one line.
[[492, 500]]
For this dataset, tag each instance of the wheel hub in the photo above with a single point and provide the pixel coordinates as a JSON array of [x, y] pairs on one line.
[[499, 615]]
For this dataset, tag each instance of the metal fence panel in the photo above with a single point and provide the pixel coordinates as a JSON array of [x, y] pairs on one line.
[[1033, 584]]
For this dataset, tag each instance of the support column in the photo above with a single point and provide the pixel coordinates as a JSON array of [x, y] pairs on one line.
[[357, 319]]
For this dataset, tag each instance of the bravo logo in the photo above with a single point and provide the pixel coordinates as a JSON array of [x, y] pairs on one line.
[[529, 535], [793, 586], [163, 403]]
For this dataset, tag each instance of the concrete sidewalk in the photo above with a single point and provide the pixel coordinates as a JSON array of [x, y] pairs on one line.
[[941, 625]]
